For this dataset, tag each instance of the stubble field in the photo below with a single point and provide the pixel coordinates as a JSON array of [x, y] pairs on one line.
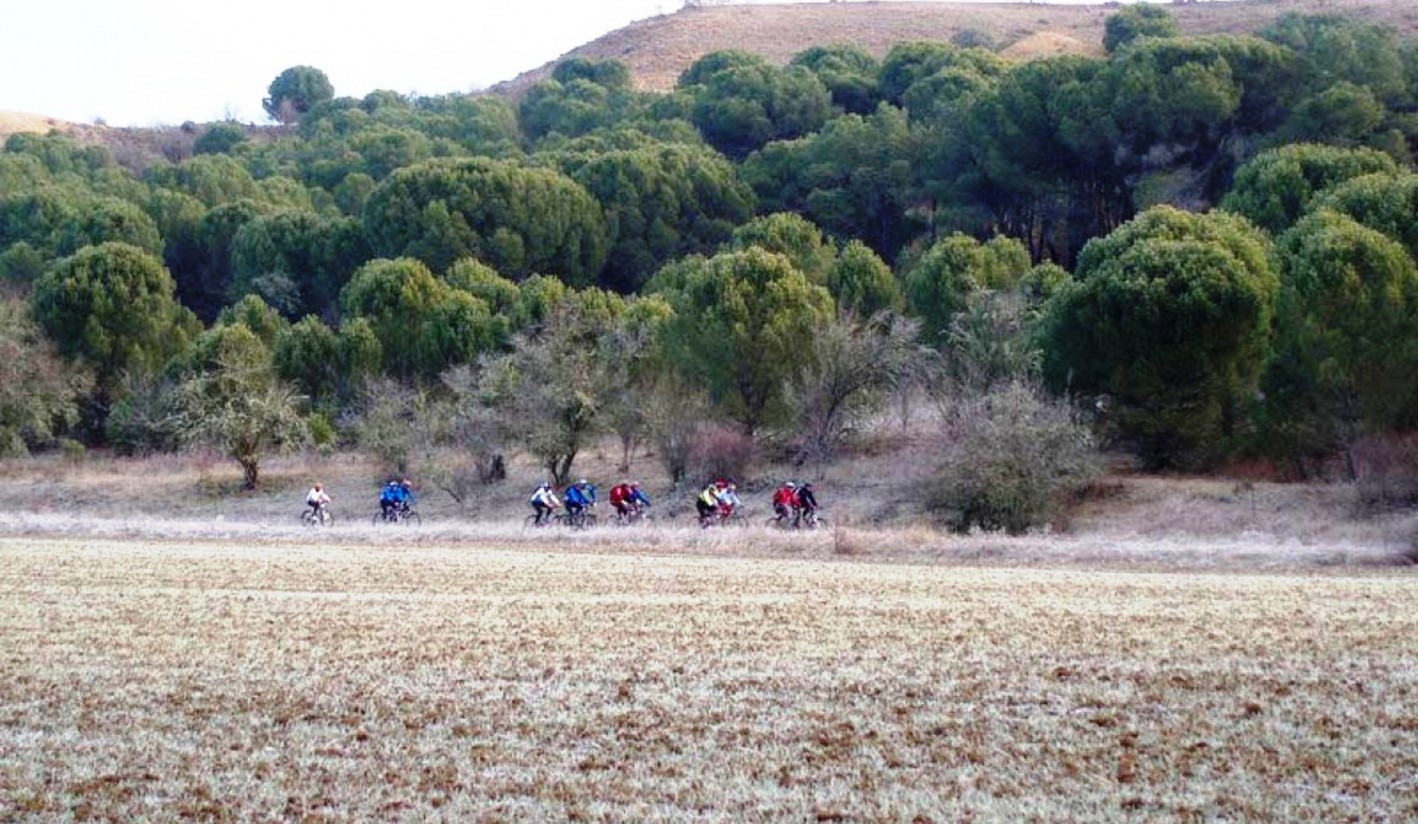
[[217, 680]]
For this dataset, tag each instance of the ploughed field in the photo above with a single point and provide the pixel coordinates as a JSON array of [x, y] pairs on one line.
[[148, 679]]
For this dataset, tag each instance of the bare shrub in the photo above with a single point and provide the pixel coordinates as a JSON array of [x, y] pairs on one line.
[[1386, 473], [719, 451], [845, 542], [1012, 457], [851, 366], [673, 409]]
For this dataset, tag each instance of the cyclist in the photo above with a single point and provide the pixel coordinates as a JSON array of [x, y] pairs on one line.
[[391, 497], [627, 499], [543, 502], [707, 503], [579, 496], [728, 499], [807, 504], [785, 500], [409, 497], [316, 499]]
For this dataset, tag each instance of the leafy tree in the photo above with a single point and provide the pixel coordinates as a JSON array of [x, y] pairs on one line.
[[1132, 22], [233, 400], [295, 91], [793, 236], [58, 221], [39, 393], [1275, 188], [739, 323], [741, 102], [214, 179], [1170, 317], [1347, 336], [307, 353], [423, 325], [517, 220], [1336, 49], [854, 178], [661, 202], [312, 256], [848, 72], [862, 283], [220, 138], [112, 306], [938, 286], [481, 281], [1387, 203], [1343, 115]]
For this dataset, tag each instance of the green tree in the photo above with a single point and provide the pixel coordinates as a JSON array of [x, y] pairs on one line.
[[220, 138], [660, 202], [1342, 115], [1170, 317], [741, 102], [112, 306], [39, 393], [793, 236], [739, 323], [1346, 360], [515, 219], [233, 400], [1132, 22], [854, 178], [939, 285], [295, 91], [423, 325], [1275, 188], [1337, 48], [1387, 203], [848, 72], [297, 261], [862, 282]]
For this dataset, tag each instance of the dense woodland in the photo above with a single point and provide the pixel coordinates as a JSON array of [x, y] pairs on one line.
[[1194, 249]]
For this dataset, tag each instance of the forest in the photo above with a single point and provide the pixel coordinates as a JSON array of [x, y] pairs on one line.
[[1193, 250]]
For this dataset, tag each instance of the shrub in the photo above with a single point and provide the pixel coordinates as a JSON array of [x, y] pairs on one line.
[[1012, 457], [717, 451]]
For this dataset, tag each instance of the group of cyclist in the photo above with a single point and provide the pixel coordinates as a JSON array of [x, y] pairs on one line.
[[396, 498], [794, 503], [627, 498]]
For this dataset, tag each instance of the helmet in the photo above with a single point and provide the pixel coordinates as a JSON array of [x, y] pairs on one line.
[[791, 485], [634, 484], [581, 482], [319, 485]]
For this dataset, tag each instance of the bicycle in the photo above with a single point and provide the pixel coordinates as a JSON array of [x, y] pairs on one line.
[[406, 515], [799, 519], [632, 516], [317, 517], [723, 516], [576, 520]]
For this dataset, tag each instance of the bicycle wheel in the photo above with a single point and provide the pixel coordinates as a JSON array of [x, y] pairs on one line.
[[378, 519], [411, 518], [776, 523], [307, 517], [326, 518]]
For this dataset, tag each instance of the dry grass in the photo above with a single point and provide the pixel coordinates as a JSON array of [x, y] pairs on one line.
[[226, 681]]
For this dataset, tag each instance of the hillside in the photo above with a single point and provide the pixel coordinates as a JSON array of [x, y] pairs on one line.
[[657, 50]]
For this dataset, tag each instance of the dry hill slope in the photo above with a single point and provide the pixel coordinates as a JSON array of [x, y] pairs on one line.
[[658, 49]]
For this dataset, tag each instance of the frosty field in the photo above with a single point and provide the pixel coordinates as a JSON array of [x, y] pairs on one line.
[[220, 680]]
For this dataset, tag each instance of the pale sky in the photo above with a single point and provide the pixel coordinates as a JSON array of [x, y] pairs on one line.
[[162, 62]]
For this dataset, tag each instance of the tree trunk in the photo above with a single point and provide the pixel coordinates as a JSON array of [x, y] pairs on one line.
[[250, 471]]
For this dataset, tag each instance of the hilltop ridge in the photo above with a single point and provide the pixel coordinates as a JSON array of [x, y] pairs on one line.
[[658, 49]]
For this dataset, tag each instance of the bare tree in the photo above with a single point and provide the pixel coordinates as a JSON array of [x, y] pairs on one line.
[[848, 366]]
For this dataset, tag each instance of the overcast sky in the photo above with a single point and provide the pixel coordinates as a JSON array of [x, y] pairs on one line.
[[162, 62]]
